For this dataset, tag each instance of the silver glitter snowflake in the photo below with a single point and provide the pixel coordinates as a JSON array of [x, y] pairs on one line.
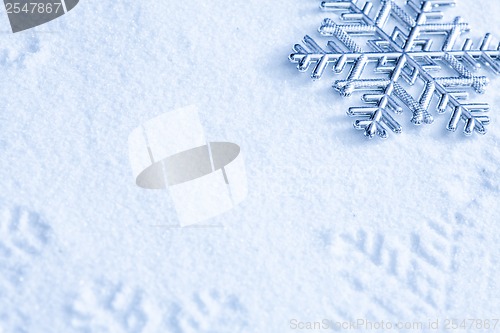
[[399, 47]]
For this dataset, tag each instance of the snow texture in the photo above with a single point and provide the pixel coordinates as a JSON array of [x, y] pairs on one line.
[[334, 227]]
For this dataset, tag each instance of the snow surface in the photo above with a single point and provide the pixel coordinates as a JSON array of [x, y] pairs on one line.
[[335, 227]]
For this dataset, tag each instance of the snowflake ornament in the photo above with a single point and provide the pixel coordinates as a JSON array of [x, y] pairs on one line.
[[399, 47]]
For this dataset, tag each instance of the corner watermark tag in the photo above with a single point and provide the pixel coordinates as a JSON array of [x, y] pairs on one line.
[[26, 14]]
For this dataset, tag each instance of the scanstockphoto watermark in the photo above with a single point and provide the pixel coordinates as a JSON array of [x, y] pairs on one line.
[[464, 325], [359, 324], [307, 184]]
